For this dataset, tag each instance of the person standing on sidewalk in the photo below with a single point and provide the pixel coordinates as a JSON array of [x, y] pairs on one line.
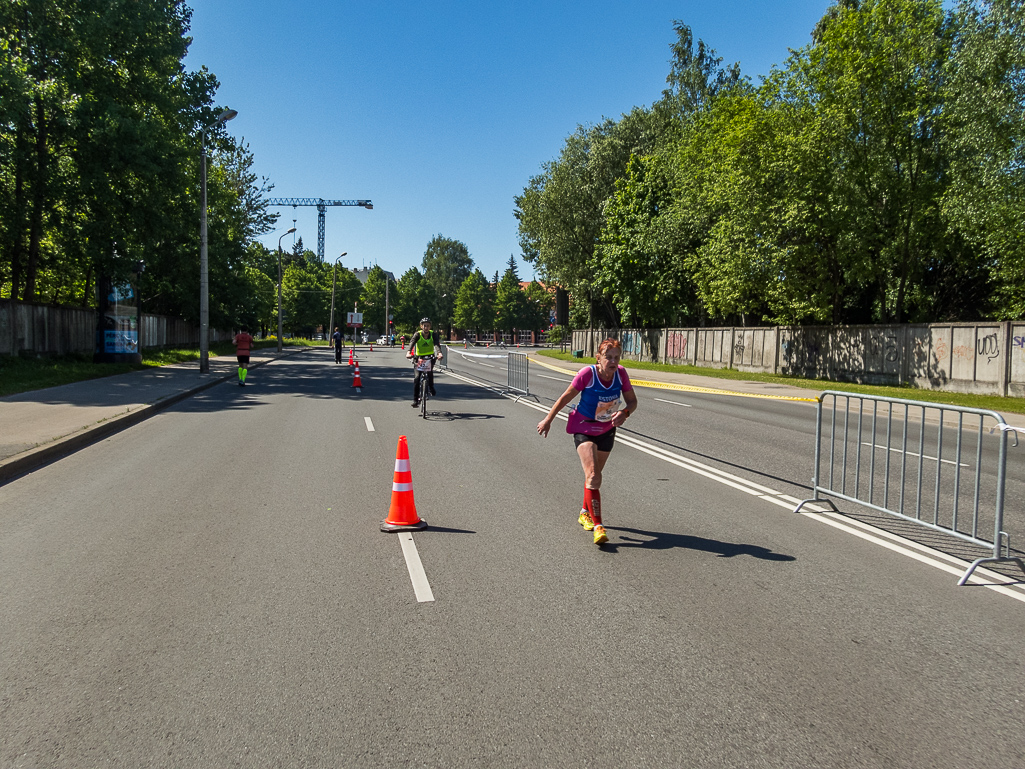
[[336, 339], [243, 347], [593, 424]]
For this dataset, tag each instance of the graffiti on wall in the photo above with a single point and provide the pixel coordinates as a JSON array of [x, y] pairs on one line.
[[885, 345], [989, 346], [676, 344], [631, 342]]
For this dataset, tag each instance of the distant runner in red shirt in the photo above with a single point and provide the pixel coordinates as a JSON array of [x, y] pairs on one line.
[[243, 346]]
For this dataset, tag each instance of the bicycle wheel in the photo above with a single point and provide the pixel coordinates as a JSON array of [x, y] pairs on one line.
[[425, 392]]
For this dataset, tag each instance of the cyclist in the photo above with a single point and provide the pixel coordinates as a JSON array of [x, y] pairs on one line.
[[424, 344]]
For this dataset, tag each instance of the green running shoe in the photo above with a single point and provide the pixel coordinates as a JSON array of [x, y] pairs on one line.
[[600, 537], [585, 520]]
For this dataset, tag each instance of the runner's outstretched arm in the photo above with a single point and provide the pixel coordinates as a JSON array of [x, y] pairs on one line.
[[545, 424]]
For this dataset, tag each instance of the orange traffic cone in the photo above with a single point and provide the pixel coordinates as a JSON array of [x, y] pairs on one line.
[[350, 356], [371, 347], [356, 381], [402, 513]]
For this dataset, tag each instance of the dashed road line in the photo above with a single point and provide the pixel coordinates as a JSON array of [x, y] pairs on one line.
[[421, 587]]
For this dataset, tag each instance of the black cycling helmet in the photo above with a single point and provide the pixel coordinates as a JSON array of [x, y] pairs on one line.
[[425, 320]]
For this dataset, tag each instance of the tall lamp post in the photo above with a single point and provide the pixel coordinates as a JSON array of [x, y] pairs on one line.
[[334, 279], [287, 232], [140, 267], [204, 275]]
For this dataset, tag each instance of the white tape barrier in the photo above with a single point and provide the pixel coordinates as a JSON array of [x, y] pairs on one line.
[[1005, 427], [453, 350]]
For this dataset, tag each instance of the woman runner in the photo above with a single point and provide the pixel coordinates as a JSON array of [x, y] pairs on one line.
[[594, 429]]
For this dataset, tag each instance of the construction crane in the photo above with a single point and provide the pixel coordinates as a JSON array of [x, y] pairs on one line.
[[321, 205]]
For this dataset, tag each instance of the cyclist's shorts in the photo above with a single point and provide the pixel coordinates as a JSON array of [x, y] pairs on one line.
[[243, 360], [604, 441]]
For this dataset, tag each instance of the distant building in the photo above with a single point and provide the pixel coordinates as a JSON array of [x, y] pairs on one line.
[[364, 273]]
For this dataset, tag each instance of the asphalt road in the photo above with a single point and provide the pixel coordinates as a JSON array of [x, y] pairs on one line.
[[211, 588]]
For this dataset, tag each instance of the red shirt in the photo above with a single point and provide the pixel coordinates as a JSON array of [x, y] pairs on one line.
[[243, 343]]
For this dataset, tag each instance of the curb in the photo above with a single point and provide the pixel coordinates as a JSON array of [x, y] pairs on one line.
[[21, 464]]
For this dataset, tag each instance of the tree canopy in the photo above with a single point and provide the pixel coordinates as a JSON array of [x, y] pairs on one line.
[[101, 129], [875, 176]]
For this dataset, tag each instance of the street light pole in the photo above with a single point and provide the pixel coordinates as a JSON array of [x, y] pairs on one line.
[[334, 279], [287, 232], [140, 267], [204, 273]]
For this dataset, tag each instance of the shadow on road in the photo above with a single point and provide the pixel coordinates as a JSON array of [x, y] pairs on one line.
[[384, 378], [449, 416], [660, 540], [444, 530]]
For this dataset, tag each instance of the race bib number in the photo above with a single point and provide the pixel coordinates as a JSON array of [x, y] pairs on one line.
[[605, 410]]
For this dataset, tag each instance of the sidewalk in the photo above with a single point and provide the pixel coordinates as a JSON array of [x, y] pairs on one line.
[[39, 426]]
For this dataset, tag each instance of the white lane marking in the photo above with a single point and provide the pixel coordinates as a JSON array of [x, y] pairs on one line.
[[914, 454], [675, 403], [556, 378], [898, 544], [421, 586], [370, 424]]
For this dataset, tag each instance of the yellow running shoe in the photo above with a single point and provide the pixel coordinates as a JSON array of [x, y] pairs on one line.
[[600, 537], [585, 520]]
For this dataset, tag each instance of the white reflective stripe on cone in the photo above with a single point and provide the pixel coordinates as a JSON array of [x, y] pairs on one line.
[[402, 487], [402, 465]]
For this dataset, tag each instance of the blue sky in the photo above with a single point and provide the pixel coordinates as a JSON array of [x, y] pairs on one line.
[[440, 112]]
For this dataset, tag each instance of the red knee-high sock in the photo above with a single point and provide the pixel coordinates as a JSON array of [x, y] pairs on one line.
[[592, 503]]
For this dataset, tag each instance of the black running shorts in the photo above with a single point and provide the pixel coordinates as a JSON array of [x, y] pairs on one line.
[[603, 441]]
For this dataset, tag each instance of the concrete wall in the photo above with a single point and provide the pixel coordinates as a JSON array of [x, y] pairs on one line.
[[983, 358], [39, 329]]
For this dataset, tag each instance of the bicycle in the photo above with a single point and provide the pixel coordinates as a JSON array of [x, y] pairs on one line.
[[424, 365]]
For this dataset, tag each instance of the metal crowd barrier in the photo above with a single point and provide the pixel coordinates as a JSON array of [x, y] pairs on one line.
[[952, 489], [519, 372]]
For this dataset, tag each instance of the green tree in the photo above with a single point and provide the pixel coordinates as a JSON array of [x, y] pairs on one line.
[[876, 74], [538, 308], [560, 212], [695, 80], [510, 301], [372, 299], [640, 260], [306, 294], [416, 301], [446, 265], [474, 310], [985, 124], [348, 292]]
